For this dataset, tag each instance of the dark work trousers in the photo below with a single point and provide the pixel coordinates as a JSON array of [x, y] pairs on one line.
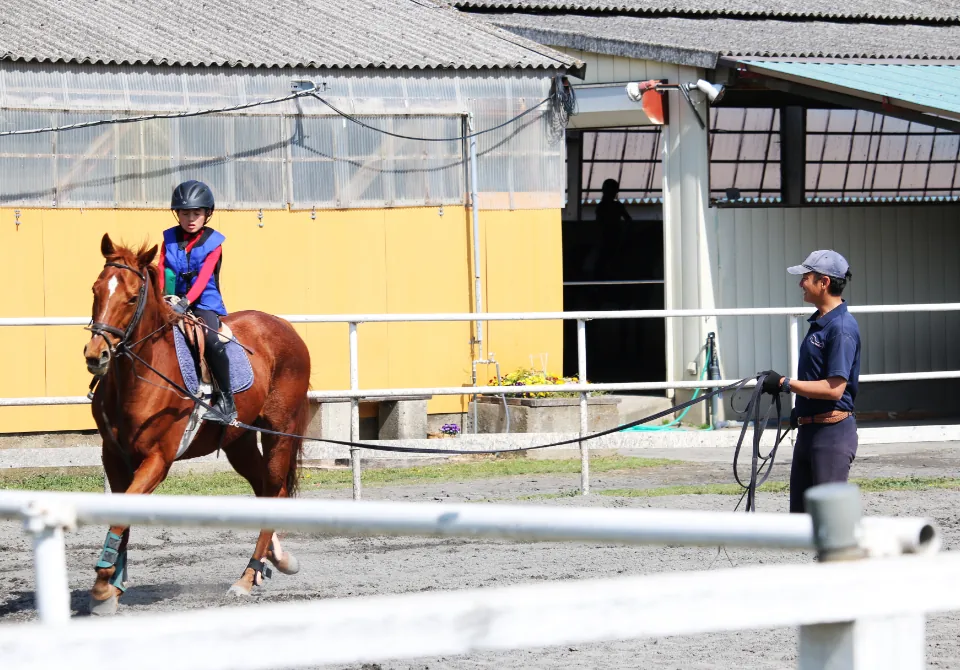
[[213, 321], [823, 453]]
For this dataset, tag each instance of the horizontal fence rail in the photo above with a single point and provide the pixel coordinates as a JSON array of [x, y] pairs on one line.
[[507, 390], [516, 522], [883, 597], [534, 316], [860, 613]]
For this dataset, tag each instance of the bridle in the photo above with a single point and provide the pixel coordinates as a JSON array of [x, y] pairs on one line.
[[102, 329]]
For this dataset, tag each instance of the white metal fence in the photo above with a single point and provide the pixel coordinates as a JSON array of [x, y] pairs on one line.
[[355, 393], [858, 613]]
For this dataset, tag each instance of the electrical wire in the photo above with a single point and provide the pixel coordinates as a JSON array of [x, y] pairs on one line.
[[562, 103], [153, 117]]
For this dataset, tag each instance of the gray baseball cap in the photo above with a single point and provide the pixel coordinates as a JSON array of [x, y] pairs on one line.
[[825, 261]]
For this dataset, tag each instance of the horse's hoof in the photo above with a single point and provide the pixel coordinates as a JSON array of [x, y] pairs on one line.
[[238, 591], [289, 565], [106, 607]]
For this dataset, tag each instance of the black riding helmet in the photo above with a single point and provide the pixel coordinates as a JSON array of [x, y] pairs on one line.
[[192, 194]]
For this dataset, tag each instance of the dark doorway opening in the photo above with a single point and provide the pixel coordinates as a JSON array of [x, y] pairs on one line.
[[613, 252], [619, 269]]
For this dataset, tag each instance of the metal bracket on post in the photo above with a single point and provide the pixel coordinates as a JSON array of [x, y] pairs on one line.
[[16, 218], [46, 524]]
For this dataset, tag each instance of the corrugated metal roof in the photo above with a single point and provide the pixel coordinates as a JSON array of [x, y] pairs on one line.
[[903, 10], [263, 33], [926, 88], [700, 42]]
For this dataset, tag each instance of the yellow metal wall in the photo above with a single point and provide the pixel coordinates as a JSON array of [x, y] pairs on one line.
[[353, 261]]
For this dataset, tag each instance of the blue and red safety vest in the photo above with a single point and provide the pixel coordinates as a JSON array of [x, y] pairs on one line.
[[194, 263]]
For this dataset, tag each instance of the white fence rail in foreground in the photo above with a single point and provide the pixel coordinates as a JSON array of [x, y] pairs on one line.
[[853, 614], [355, 393]]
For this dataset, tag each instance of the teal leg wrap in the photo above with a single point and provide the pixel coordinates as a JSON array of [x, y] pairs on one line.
[[110, 552], [120, 574]]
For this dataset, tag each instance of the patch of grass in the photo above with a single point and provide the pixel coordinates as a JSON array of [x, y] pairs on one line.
[[216, 483], [85, 483], [502, 467], [881, 484], [229, 483]]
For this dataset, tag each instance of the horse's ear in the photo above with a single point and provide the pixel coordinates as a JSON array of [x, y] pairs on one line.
[[146, 258], [106, 246]]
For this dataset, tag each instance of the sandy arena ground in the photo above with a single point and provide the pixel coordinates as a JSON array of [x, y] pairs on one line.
[[178, 569]]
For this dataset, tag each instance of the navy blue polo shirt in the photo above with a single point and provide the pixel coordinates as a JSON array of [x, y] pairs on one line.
[[830, 349]]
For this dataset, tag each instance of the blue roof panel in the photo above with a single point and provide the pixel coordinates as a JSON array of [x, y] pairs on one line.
[[927, 88]]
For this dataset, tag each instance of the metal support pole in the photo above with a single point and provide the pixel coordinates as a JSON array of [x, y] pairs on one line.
[[354, 412], [885, 643], [793, 331], [45, 524], [584, 427], [475, 220]]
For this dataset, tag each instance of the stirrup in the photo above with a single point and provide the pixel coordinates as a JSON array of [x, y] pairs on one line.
[[217, 414]]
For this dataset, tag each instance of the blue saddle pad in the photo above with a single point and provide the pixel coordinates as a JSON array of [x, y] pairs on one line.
[[241, 372]]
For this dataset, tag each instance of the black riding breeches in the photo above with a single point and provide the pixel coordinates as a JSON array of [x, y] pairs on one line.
[[212, 320]]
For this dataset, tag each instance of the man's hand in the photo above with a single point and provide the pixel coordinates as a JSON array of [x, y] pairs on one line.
[[772, 382], [181, 306]]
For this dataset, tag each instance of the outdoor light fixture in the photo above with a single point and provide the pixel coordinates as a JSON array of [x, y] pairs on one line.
[[649, 94], [713, 91]]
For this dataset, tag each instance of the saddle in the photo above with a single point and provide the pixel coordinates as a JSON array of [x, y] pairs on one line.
[[189, 341], [194, 334], [188, 338]]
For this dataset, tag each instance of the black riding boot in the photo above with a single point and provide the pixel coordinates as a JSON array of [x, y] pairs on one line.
[[225, 409]]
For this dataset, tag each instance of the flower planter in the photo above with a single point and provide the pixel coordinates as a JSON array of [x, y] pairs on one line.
[[545, 415]]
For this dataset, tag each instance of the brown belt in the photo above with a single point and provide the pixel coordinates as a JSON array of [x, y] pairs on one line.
[[835, 416]]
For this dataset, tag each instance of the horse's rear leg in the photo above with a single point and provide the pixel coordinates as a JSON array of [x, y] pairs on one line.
[[279, 454], [105, 594]]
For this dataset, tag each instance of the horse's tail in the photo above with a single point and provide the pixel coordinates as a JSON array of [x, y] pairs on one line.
[[296, 458]]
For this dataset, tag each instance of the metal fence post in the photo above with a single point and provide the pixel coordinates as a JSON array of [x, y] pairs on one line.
[[879, 643], [584, 426], [794, 335], [354, 412], [45, 525]]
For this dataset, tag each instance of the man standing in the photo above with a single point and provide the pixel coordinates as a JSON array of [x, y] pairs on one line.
[[827, 379]]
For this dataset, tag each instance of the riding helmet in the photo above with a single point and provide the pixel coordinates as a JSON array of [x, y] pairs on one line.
[[192, 194]]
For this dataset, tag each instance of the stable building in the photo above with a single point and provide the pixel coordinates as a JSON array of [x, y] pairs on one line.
[[837, 127]]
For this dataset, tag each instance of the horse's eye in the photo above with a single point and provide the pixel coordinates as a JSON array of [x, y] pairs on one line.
[[132, 301]]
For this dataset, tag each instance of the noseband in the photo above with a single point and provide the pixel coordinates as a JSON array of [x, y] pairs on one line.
[[101, 329]]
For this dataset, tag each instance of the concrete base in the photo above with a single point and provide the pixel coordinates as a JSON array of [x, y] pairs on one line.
[[330, 420], [403, 420], [633, 407], [545, 415]]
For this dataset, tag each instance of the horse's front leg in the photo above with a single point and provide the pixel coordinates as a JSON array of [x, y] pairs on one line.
[[112, 563]]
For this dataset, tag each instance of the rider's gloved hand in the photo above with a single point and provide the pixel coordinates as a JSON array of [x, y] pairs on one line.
[[772, 382], [181, 306]]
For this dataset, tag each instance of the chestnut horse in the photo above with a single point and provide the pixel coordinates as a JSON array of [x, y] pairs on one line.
[[142, 417]]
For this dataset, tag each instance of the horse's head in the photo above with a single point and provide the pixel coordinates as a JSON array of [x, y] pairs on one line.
[[117, 294]]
